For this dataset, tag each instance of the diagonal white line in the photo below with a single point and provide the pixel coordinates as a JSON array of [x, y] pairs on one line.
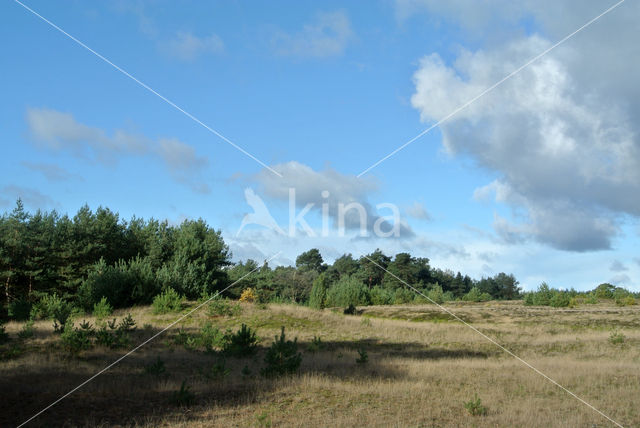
[[144, 343], [148, 88], [491, 88], [496, 343]]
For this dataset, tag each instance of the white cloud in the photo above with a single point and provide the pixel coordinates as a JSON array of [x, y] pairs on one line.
[[327, 36], [50, 171], [418, 211], [566, 149], [32, 198], [620, 279], [311, 187], [61, 132], [186, 46]]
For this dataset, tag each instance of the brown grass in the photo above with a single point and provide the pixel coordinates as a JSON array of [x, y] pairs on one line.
[[422, 368]]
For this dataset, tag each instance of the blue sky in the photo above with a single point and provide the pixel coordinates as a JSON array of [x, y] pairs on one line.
[[535, 178]]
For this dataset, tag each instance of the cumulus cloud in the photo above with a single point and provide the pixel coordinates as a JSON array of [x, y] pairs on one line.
[[331, 189], [60, 131], [186, 46], [563, 141], [327, 36]]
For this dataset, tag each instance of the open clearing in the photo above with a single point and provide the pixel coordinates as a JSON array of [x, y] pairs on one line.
[[422, 367]]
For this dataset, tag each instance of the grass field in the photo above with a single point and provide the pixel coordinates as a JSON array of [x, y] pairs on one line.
[[422, 368]]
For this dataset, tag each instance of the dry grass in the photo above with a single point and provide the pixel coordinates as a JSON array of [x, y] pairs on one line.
[[422, 368]]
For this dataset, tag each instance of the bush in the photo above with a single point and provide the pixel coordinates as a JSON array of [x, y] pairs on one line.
[[115, 335], [75, 339], [248, 295], [381, 296], [475, 295], [436, 295], [350, 310], [57, 309], [591, 299], [222, 307], [318, 294], [559, 299], [404, 295], [210, 338], [168, 301], [626, 301], [282, 357], [243, 343], [363, 357], [27, 330], [102, 309], [616, 338], [475, 407], [19, 310], [347, 291]]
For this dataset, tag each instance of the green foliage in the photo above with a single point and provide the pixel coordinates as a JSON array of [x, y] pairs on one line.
[[76, 339], [591, 298], [318, 293], [102, 309], [363, 357], [115, 335], [436, 294], [156, 368], [381, 296], [168, 301], [626, 301], [57, 309], [19, 310], [122, 284], [404, 295], [242, 343], [211, 338], [27, 330], [310, 260], [475, 407], [347, 291], [604, 291], [475, 295], [282, 357], [223, 307], [184, 396], [559, 299], [219, 370], [616, 338]]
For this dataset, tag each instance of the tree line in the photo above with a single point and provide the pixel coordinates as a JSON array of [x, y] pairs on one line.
[[96, 254]]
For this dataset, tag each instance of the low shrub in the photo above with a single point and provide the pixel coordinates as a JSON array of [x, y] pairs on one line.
[[616, 338], [102, 309], [27, 330], [475, 295], [475, 407], [626, 301], [363, 357], [223, 307], [210, 338], [559, 299], [282, 357], [76, 339], [115, 335], [168, 301], [350, 310], [248, 295], [242, 343], [57, 309]]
